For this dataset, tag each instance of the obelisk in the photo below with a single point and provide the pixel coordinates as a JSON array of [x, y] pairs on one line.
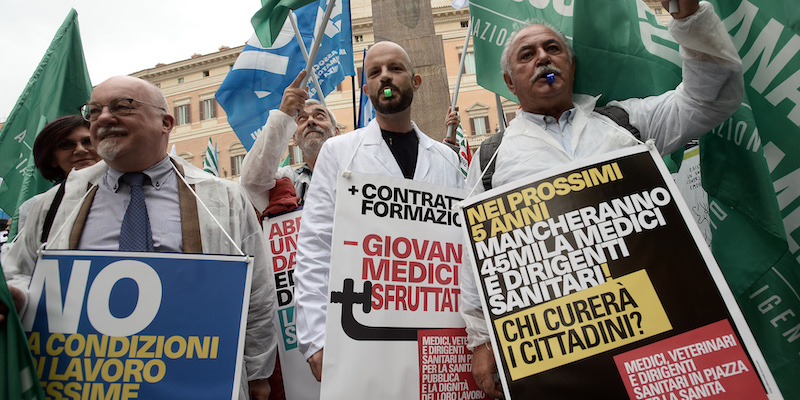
[[409, 23]]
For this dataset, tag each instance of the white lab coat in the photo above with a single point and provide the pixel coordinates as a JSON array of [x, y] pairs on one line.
[[364, 151], [711, 91], [260, 165], [228, 203]]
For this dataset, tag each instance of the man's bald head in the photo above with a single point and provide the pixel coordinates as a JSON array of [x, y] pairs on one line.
[[138, 140]]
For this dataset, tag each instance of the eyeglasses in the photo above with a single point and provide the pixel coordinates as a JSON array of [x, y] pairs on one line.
[[117, 107], [70, 145]]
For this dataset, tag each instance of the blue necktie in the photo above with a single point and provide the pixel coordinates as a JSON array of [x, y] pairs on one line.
[[135, 233]]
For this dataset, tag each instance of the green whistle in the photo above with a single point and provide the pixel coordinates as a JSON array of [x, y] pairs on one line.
[[387, 92]]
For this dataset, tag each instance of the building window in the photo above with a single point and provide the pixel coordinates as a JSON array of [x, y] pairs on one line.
[[469, 62], [510, 116], [208, 109], [186, 156], [658, 11], [180, 80], [358, 38], [236, 164], [158, 85], [479, 125], [237, 152], [206, 73], [464, 24], [183, 115]]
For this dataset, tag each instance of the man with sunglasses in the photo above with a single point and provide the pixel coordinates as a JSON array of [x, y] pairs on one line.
[[130, 128]]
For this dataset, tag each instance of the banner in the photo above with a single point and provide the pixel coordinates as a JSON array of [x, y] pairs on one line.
[[366, 112], [595, 271], [751, 171], [18, 378], [750, 163], [393, 329], [57, 88], [281, 234], [255, 84], [138, 325], [269, 19]]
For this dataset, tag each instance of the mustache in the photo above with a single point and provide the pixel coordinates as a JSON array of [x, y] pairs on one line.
[[107, 130], [544, 70], [313, 129]]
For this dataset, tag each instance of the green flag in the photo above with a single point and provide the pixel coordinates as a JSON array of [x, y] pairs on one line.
[[751, 170], [210, 162], [18, 378], [268, 21], [750, 164], [58, 87]]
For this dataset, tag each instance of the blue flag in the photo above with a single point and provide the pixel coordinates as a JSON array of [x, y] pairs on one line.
[[366, 112], [257, 80]]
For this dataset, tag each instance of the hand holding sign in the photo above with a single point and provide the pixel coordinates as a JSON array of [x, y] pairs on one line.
[[483, 369], [19, 301]]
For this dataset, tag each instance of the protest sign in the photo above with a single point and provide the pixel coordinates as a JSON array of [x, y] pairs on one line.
[[598, 284], [105, 325], [392, 317], [281, 233]]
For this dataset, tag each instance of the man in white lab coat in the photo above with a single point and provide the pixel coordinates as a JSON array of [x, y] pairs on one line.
[[391, 145]]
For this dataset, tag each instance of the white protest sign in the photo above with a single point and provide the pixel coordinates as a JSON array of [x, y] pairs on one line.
[[396, 255], [281, 234]]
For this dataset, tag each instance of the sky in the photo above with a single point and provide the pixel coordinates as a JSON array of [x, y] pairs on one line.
[[119, 37]]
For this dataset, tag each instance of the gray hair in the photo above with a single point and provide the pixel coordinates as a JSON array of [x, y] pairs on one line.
[[315, 102], [505, 58]]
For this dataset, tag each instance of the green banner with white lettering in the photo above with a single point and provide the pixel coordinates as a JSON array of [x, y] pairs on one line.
[[750, 164], [58, 86], [751, 170]]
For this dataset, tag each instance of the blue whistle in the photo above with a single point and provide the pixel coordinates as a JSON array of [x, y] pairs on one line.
[[551, 77]]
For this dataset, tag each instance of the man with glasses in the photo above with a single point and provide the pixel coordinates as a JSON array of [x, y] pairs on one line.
[[130, 128]]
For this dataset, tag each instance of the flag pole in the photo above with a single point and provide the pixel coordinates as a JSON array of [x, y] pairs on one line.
[[302, 45], [317, 41], [500, 115], [451, 129]]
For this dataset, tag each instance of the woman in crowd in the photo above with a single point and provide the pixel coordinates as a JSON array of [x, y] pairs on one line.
[[61, 146]]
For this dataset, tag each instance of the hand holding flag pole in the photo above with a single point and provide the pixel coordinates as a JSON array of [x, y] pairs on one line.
[[451, 129]]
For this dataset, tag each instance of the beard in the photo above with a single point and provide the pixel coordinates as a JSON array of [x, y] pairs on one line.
[[400, 100], [108, 149], [311, 146]]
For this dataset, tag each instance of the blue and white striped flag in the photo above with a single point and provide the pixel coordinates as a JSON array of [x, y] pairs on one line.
[[255, 84], [366, 112]]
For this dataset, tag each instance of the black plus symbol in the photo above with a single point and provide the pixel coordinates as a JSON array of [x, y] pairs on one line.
[[352, 190]]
